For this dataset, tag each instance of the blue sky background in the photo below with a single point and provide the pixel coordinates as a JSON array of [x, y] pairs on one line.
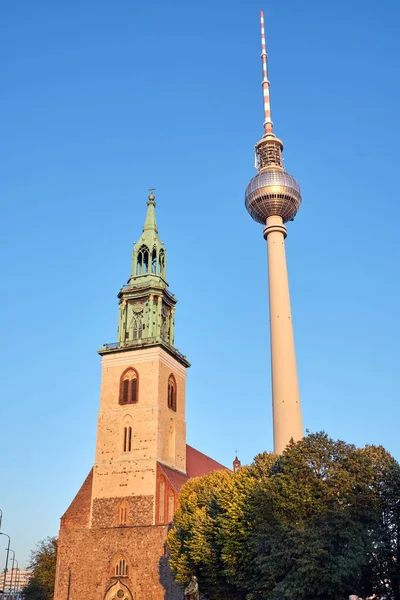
[[102, 100]]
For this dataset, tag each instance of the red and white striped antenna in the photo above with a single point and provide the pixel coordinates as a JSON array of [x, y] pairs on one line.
[[265, 83]]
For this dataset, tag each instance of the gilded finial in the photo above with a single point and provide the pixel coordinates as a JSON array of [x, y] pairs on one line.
[[151, 195]]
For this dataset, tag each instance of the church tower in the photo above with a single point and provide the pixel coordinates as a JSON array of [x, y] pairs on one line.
[[142, 399], [112, 541]]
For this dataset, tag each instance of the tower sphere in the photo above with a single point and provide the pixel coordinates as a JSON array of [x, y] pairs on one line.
[[272, 193]]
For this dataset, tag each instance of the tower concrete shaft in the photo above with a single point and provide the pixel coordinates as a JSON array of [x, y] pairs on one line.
[[273, 198], [287, 419]]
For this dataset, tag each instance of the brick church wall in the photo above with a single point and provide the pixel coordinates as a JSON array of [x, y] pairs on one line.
[[140, 511], [87, 559]]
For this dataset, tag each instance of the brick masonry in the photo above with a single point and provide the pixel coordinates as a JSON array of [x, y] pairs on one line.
[[90, 556], [125, 507]]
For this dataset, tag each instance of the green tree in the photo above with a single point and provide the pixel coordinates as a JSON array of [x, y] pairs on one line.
[[43, 565], [382, 575], [312, 522], [193, 543], [319, 522], [211, 530]]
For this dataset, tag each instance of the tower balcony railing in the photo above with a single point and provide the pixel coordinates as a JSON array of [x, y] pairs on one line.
[[142, 342], [145, 284], [132, 286]]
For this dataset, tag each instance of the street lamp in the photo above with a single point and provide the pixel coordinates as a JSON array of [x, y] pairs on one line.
[[12, 573], [16, 584], [5, 568]]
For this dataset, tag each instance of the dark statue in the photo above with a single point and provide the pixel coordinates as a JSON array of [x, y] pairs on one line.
[[192, 590]]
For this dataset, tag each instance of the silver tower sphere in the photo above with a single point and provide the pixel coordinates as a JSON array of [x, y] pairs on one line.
[[272, 193]]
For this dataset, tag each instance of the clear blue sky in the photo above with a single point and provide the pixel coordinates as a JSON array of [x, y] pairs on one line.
[[102, 100]]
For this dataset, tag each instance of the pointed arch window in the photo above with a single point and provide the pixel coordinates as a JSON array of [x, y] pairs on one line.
[[137, 329], [161, 263], [171, 508], [172, 392], [142, 265], [161, 501], [154, 261], [123, 513], [119, 591], [127, 436], [129, 385], [121, 568]]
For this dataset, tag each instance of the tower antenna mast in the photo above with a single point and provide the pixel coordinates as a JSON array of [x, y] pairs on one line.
[[268, 124]]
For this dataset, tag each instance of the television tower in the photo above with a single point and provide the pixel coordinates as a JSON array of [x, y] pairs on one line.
[[273, 198]]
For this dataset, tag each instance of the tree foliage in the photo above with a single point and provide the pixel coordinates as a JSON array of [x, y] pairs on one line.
[[319, 522], [43, 565]]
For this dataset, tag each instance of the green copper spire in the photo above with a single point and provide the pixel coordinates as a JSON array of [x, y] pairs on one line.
[[150, 222], [149, 258], [146, 306]]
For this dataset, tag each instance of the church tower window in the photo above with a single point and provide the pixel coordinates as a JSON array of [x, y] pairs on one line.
[[121, 568], [172, 392], [154, 261], [137, 329], [161, 263], [129, 387], [171, 508], [142, 261], [161, 501], [127, 439], [123, 511]]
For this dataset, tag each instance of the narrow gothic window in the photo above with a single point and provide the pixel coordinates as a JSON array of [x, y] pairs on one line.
[[123, 511], [154, 261], [137, 329], [145, 261], [161, 501], [142, 265], [129, 387], [121, 568], [161, 263], [171, 508], [122, 514], [127, 439], [172, 392]]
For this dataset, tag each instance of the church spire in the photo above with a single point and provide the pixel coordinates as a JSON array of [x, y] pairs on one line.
[[149, 256], [146, 306], [150, 223]]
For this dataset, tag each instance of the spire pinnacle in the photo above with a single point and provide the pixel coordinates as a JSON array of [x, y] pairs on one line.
[[150, 223], [265, 83]]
